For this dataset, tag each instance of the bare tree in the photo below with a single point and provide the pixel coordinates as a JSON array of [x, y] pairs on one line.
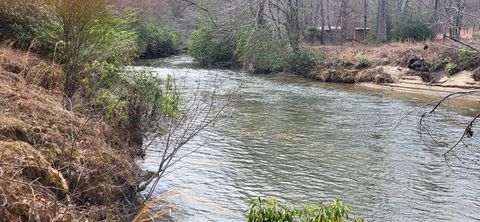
[[382, 21], [455, 10], [284, 14], [260, 13], [342, 19], [365, 17], [322, 16], [400, 8], [202, 109]]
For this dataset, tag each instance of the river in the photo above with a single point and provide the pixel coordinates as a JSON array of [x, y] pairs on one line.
[[305, 141]]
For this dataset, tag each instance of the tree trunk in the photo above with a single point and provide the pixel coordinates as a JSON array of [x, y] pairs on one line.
[[436, 22], [328, 18], [454, 10], [382, 21], [293, 25], [322, 30], [365, 10], [342, 18], [260, 14]]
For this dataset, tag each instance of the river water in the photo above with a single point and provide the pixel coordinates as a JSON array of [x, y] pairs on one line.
[[305, 141]]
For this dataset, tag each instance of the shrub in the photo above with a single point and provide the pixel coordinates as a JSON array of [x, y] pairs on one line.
[[29, 24], [304, 61], [412, 29], [272, 210], [312, 33], [362, 61], [468, 58], [85, 37], [135, 99], [451, 68], [408, 29], [437, 65], [154, 40], [261, 52], [95, 41], [211, 46]]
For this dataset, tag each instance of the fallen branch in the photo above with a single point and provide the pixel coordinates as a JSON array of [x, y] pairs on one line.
[[458, 41]]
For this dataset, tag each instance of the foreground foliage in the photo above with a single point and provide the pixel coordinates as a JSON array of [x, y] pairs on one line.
[[95, 41], [271, 210]]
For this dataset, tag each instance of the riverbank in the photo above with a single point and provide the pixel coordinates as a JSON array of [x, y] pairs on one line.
[[57, 164], [431, 68]]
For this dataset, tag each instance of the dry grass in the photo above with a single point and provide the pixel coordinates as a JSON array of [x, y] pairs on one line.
[[32, 69], [393, 53], [89, 155]]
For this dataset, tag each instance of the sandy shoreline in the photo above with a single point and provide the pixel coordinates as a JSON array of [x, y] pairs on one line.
[[427, 93]]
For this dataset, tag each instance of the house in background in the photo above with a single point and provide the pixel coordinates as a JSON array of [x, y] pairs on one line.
[[333, 34], [359, 33]]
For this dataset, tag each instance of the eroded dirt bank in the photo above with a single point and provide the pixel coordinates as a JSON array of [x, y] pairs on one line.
[[440, 67]]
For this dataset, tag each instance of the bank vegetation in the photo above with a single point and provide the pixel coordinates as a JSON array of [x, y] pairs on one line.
[[74, 116]]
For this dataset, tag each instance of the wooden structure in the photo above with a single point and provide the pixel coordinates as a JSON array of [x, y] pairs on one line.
[[333, 34], [359, 33]]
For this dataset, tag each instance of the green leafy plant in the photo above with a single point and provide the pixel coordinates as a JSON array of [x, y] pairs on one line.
[[304, 61], [437, 65], [362, 61], [211, 46], [154, 40], [412, 29], [271, 210], [451, 68], [468, 58], [138, 99], [29, 24], [465, 54], [145, 90], [262, 53], [94, 40], [85, 37]]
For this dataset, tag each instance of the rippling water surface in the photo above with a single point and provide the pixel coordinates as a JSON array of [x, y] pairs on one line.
[[306, 141]]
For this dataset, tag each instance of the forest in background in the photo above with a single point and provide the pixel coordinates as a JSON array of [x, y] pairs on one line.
[[444, 16]]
